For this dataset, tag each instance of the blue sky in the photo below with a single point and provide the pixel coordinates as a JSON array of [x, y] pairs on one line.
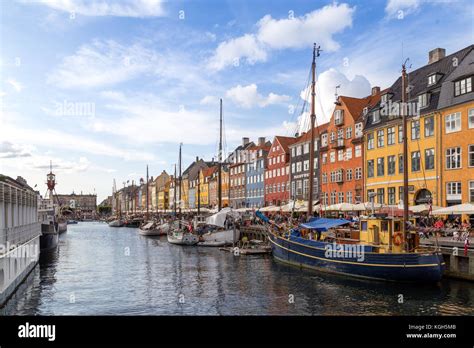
[[104, 87]]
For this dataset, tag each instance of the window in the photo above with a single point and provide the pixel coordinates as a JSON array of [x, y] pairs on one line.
[[298, 150], [370, 141], [306, 148], [463, 86], [338, 117], [298, 167], [340, 133], [358, 150], [453, 158], [348, 132], [423, 100], [471, 156], [332, 157], [324, 158], [324, 140], [333, 197], [453, 122], [370, 168], [370, 197], [429, 159], [349, 197], [453, 191], [400, 164], [431, 79], [400, 193], [415, 161], [348, 154], [358, 130], [306, 165], [376, 116], [305, 186], [349, 174], [340, 198], [324, 178], [390, 135], [429, 126], [380, 138], [471, 191], [400, 134], [340, 155], [415, 129], [380, 166], [391, 162], [333, 137], [470, 118], [380, 195], [391, 195], [358, 173], [293, 185]]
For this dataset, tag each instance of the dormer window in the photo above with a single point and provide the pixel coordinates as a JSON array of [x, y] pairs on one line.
[[376, 116], [384, 98], [423, 100], [463, 86], [432, 79], [365, 111]]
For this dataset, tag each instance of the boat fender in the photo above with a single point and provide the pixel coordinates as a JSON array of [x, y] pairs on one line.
[[398, 238]]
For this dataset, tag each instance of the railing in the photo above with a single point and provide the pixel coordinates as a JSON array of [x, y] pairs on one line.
[[19, 234]]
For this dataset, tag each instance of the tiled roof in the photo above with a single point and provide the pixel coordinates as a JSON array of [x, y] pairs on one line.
[[305, 137], [285, 142]]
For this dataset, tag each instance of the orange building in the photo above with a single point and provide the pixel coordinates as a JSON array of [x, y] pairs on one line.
[[341, 152]]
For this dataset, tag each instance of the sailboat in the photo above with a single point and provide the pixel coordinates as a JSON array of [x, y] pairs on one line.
[[383, 249], [180, 231], [220, 229], [118, 222]]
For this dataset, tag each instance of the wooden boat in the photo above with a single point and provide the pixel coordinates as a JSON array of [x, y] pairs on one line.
[[219, 229], [154, 229], [179, 234]]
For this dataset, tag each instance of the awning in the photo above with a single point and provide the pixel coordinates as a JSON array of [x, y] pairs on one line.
[[323, 224], [466, 208]]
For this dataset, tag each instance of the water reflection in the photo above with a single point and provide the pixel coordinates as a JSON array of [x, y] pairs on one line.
[[101, 270]]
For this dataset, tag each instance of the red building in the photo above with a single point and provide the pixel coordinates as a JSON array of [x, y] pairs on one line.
[[342, 179], [277, 172]]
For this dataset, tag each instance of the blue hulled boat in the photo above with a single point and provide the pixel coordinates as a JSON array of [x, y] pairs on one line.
[[377, 254]]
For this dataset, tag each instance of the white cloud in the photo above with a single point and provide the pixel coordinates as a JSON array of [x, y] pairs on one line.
[[317, 26], [358, 87], [10, 150], [209, 100], [15, 84], [103, 63], [299, 32], [401, 8], [233, 51], [248, 97], [122, 8]]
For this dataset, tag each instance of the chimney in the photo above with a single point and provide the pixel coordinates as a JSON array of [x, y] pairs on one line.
[[261, 141], [375, 90], [436, 55], [297, 135], [245, 141], [197, 158]]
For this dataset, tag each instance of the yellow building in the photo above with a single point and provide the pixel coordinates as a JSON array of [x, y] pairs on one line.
[[205, 175], [439, 131]]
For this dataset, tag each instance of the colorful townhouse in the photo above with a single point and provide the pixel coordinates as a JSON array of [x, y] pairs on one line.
[[205, 175], [341, 150], [213, 187], [277, 172], [299, 165], [254, 175], [383, 136], [237, 166], [456, 116], [171, 193], [189, 185]]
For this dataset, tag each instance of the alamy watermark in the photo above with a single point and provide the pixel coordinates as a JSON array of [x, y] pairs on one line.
[[68, 108], [340, 251]]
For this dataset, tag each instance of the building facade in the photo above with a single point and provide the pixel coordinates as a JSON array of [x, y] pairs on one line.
[[255, 174], [277, 172]]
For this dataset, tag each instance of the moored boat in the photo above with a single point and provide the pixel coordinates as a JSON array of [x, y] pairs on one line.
[[154, 229], [220, 229], [179, 234], [116, 223]]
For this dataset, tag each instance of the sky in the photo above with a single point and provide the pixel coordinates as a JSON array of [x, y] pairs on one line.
[[103, 88]]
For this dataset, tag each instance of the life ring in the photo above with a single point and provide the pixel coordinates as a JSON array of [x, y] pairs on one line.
[[398, 239]]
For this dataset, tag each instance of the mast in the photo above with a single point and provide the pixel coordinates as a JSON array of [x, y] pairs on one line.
[[180, 179], [405, 153], [147, 192], [313, 121], [174, 192], [219, 178]]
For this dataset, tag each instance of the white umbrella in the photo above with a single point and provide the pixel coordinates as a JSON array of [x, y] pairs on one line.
[[341, 207], [421, 208], [465, 208]]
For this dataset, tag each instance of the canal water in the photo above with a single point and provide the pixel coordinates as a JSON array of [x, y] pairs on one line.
[[100, 270]]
